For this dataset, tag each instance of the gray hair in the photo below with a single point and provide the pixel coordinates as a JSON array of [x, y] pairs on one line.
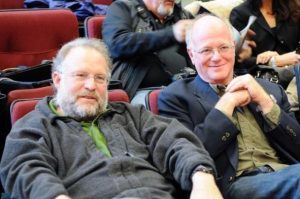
[[95, 44], [189, 33]]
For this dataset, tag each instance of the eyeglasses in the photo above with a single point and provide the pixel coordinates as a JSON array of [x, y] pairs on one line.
[[222, 50], [81, 77]]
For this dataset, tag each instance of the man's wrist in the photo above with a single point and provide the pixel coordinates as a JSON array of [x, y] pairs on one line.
[[204, 169], [267, 105], [199, 177]]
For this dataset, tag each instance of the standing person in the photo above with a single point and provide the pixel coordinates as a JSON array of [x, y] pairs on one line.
[[245, 124], [277, 29], [146, 41], [77, 145]]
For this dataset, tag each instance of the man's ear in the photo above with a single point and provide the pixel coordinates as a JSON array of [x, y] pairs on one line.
[[56, 78], [191, 55]]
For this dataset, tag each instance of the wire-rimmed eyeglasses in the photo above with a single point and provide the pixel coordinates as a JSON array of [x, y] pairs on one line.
[[82, 76], [208, 52]]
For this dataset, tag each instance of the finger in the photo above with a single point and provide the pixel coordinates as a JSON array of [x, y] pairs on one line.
[[235, 84], [252, 44], [250, 33]]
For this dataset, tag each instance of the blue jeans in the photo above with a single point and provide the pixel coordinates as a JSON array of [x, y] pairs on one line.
[[281, 184]]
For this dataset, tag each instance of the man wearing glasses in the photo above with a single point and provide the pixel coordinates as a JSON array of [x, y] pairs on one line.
[[78, 145], [244, 123]]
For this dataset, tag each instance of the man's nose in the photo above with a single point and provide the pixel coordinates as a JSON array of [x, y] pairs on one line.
[[90, 83], [215, 54]]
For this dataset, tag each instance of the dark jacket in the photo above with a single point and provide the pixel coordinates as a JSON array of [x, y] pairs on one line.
[[46, 155], [145, 52], [283, 40], [194, 105]]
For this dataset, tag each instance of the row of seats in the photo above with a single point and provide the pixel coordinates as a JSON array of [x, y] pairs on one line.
[[24, 100]]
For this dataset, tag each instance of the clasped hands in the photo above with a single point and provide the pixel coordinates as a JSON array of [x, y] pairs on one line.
[[240, 92]]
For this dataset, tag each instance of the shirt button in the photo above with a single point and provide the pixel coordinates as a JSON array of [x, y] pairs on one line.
[[231, 178], [282, 42], [227, 134]]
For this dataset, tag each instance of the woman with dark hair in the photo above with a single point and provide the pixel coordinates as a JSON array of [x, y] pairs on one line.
[[277, 29]]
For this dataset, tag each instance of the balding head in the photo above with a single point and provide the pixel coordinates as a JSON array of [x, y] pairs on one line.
[[207, 24], [210, 46]]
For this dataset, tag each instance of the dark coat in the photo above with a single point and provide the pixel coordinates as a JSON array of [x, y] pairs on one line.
[[192, 102], [46, 155]]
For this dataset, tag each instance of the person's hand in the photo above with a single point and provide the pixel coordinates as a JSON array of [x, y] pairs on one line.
[[62, 197], [246, 50], [256, 92], [179, 29], [204, 187], [250, 34], [290, 58], [231, 100], [264, 58]]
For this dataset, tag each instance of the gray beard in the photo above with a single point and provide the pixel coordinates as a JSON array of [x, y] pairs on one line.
[[163, 11], [68, 105]]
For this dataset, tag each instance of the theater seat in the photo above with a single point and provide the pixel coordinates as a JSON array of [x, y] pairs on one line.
[[11, 4], [151, 101], [29, 93], [21, 107], [104, 2], [118, 95], [93, 26], [29, 36]]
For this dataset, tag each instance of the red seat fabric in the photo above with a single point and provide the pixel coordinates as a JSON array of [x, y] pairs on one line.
[[152, 101], [20, 107], [29, 93], [118, 95], [29, 36], [93, 26], [11, 4], [104, 2]]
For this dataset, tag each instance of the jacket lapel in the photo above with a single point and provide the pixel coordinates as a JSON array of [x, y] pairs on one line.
[[204, 94]]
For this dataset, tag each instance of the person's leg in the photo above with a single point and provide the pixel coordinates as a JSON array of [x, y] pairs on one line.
[[284, 183]]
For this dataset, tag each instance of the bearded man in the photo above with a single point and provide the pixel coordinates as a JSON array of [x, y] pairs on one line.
[[77, 145], [146, 39]]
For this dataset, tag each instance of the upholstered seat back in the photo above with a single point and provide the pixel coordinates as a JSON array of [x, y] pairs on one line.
[[29, 36], [11, 4], [93, 26], [104, 2]]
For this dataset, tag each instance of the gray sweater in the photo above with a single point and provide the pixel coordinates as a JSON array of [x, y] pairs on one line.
[[46, 155]]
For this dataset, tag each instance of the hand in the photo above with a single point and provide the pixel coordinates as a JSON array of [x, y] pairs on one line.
[[204, 187], [250, 34], [264, 58], [247, 47], [290, 58], [230, 100], [246, 50], [62, 197], [256, 92], [179, 29]]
